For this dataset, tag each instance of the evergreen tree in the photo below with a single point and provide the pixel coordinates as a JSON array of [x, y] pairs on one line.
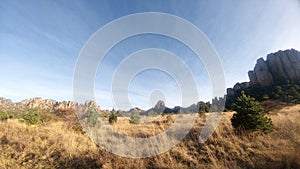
[[113, 118], [250, 115]]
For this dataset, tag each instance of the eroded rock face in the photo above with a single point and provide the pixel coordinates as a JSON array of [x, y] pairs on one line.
[[262, 73], [279, 67], [252, 77]]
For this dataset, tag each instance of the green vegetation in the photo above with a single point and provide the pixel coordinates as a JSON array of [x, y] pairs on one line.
[[288, 92], [113, 118], [32, 116], [204, 108], [29, 116], [58, 145], [250, 115], [4, 115]]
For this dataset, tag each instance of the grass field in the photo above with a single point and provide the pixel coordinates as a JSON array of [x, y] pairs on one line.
[[59, 143]]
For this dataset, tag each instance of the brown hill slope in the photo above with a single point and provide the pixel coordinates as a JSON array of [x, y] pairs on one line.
[[55, 145]]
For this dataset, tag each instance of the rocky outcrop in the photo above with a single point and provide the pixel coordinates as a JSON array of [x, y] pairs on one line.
[[46, 105], [279, 67], [160, 105], [6, 104], [136, 110], [64, 106], [160, 108], [39, 103], [261, 74], [238, 87]]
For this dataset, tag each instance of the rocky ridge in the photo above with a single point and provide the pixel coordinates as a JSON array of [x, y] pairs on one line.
[[280, 67], [276, 78], [44, 104]]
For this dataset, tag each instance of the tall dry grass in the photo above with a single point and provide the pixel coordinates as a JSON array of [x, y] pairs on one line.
[[56, 144]]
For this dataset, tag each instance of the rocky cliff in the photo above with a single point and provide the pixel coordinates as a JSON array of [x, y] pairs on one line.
[[276, 78], [279, 67]]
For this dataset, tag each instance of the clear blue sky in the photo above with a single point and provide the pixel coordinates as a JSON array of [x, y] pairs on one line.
[[41, 40]]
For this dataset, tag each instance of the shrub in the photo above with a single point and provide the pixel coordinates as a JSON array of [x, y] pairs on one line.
[[4, 115], [204, 108], [135, 118], [92, 117], [113, 118], [32, 116], [250, 115]]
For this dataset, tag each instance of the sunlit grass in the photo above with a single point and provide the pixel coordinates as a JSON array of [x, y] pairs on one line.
[[58, 144]]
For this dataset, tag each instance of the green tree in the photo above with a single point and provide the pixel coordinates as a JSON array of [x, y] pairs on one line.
[[204, 108], [113, 118], [250, 115]]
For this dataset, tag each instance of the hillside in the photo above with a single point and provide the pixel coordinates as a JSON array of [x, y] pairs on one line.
[[56, 144]]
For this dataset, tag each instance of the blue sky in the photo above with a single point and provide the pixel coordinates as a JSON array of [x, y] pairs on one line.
[[41, 40]]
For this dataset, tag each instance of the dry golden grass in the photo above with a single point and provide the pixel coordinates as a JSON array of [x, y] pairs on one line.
[[145, 129], [56, 144]]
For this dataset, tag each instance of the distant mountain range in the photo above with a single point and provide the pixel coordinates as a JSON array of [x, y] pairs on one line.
[[45, 104]]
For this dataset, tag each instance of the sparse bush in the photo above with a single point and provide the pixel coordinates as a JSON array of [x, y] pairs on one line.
[[32, 116], [92, 117], [250, 115], [204, 108], [113, 118], [135, 118]]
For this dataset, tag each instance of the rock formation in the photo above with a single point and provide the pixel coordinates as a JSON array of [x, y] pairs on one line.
[[279, 67], [6, 104], [46, 105], [39, 103], [160, 105]]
